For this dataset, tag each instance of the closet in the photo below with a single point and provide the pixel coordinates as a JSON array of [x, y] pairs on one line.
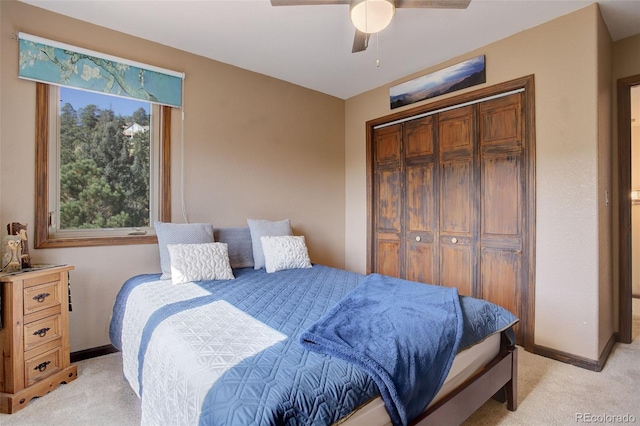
[[451, 199]]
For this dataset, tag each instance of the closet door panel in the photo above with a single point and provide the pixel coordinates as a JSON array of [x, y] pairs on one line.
[[420, 262], [388, 257], [420, 222], [456, 192], [388, 145], [503, 217], [501, 122], [499, 279], [456, 199], [501, 268], [456, 130], [420, 198], [388, 222], [418, 137], [501, 196], [419, 194], [388, 205], [456, 267]]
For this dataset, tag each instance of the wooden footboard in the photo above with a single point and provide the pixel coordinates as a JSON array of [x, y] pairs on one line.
[[498, 379]]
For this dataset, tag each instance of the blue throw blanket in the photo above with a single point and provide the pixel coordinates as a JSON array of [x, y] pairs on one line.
[[404, 334]]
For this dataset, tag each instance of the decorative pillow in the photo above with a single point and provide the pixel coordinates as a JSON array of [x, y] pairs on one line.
[[239, 242], [179, 233], [199, 262], [285, 252], [265, 228]]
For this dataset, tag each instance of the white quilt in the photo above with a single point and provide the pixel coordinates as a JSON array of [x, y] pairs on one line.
[[187, 352]]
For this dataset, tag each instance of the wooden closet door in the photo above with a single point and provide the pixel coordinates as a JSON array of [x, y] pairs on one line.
[[503, 214], [457, 199], [388, 202], [420, 225]]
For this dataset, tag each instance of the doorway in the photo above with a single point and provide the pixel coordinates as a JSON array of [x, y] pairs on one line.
[[635, 208], [628, 92]]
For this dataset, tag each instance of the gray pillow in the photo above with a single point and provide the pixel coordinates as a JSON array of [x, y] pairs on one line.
[[179, 233], [239, 243], [265, 228]]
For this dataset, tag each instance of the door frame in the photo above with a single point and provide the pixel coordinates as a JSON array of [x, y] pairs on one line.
[[624, 86], [528, 106]]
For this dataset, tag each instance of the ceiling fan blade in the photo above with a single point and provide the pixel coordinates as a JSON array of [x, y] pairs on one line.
[[306, 2], [360, 42], [434, 4]]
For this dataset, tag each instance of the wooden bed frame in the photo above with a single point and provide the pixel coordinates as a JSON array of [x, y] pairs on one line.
[[498, 380]]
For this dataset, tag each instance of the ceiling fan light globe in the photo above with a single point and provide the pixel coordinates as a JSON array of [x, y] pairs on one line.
[[371, 16]]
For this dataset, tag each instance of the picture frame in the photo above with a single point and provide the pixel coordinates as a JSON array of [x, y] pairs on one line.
[[456, 77]]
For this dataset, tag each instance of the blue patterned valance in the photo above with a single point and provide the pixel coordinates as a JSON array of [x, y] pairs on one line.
[[64, 65]]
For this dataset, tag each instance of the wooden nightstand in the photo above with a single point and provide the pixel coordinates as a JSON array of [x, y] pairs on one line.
[[34, 335]]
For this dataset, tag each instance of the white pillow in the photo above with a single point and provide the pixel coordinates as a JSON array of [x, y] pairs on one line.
[[265, 228], [285, 252], [179, 233], [199, 262]]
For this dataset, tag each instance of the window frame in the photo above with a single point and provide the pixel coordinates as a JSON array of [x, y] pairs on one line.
[[42, 238]]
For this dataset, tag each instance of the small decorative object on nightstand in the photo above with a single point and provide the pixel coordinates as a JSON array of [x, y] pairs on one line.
[[11, 250], [34, 334], [16, 228]]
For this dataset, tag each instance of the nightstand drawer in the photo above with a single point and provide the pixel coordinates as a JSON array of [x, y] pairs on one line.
[[40, 332], [43, 365], [41, 297]]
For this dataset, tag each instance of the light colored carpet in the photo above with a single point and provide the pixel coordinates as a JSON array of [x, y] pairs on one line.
[[550, 393], [554, 393]]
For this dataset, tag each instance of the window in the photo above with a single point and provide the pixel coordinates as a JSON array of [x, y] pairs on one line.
[[102, 168]]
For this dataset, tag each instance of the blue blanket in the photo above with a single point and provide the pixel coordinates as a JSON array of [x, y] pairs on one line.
[[404, 334]]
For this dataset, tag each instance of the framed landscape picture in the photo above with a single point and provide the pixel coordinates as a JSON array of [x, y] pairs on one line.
[[456, 77]]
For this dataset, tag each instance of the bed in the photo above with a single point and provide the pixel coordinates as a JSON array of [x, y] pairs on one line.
[[251, 350]]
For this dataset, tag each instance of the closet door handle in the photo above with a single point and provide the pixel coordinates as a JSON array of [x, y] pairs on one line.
[[454, 240]]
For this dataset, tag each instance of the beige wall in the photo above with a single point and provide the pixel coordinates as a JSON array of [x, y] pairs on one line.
[[566, 56], [254, 147], [605, 207]]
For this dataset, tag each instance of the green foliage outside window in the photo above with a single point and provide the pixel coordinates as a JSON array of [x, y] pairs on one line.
[[104, 174]]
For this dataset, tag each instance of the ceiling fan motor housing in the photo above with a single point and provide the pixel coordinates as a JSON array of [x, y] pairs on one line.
[[371, 16]]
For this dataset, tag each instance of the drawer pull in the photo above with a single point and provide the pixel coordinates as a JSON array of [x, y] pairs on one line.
[[42, 332], [42, 366], [40, 297]]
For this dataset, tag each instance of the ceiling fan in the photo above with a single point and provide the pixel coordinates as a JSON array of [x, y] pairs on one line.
[[372, 16]]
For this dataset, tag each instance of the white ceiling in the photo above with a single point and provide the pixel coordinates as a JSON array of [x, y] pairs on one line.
[[311, 45]]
